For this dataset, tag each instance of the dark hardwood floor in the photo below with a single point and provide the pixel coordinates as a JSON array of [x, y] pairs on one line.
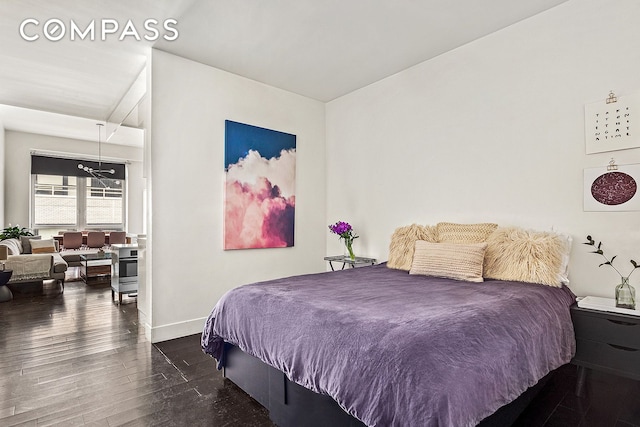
[[78, 359], [608, 401]]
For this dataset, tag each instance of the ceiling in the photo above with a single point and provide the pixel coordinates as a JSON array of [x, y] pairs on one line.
[[321, 49]]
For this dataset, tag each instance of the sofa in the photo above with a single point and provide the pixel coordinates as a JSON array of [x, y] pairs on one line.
[[46, 263]]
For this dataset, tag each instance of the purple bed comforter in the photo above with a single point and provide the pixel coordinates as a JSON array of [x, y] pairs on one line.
[[400, 350]]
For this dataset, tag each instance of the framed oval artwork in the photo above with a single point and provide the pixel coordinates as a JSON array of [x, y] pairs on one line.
[[613, 188]]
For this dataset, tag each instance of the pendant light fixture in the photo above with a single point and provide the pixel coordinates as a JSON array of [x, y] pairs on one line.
[[99, 173]]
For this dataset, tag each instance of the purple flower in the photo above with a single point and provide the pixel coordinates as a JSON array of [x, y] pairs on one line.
[[344, 230]]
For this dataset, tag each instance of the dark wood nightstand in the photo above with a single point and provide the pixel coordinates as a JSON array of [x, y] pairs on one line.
[[609, 342]]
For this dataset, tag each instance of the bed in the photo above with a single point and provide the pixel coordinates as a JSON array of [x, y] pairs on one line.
[[390, 348]]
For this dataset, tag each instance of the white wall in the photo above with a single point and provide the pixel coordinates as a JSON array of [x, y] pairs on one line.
[[2, 174], [492, 131], [190, 270], [17, 172], [144, 249]]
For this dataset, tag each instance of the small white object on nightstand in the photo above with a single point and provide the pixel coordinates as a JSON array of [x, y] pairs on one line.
[[605, 304]]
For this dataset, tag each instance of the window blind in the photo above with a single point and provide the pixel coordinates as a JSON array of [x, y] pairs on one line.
[[45, 165]]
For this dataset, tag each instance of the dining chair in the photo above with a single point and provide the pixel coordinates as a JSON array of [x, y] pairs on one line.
[[117, 237], [72, 240], [95, 239]]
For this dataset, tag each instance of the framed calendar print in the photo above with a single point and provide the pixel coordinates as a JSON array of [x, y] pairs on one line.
[[612, 124]]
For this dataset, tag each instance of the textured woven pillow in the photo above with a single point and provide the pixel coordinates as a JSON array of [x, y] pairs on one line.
[[403, 242], [450, 232], [452, 260], [527, 256], [42, 246]]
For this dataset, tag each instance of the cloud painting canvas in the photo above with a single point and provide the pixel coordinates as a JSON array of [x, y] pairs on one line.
[[260, 168]]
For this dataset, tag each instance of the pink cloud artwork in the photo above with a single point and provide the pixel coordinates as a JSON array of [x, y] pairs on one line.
[[258, 216], [260, 202]]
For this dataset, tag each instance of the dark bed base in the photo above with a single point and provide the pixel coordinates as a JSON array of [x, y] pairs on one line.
[[290, 404]]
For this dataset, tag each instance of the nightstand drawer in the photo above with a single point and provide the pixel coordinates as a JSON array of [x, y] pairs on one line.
[[607, 328], [621, 360]]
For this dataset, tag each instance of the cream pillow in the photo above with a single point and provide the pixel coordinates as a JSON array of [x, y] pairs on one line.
[[45, 246], [527, 256], [450, 232], [403, 243], [451, 260], [26, 245]]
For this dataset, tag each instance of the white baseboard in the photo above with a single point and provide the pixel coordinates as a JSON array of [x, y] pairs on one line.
[[176, 330], [142, 319]]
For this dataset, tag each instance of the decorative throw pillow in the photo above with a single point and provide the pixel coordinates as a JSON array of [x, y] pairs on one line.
[[26, 245], [45, 246], [449, 232], [403, 242], [564, 266], [452, 260], [527, 256]]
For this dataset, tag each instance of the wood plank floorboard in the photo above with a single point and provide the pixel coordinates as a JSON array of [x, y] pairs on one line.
[[77, 359]]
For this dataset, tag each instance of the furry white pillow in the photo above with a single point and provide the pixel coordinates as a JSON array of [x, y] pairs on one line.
[[450, 260], [527, 256], [403, 243]]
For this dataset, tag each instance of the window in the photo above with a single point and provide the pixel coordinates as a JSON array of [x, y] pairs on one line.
[[104, 203], [62, 200], [55, 203]]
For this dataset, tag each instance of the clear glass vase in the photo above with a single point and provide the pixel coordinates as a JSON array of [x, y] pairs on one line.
[[625, 295], [348, 249]]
